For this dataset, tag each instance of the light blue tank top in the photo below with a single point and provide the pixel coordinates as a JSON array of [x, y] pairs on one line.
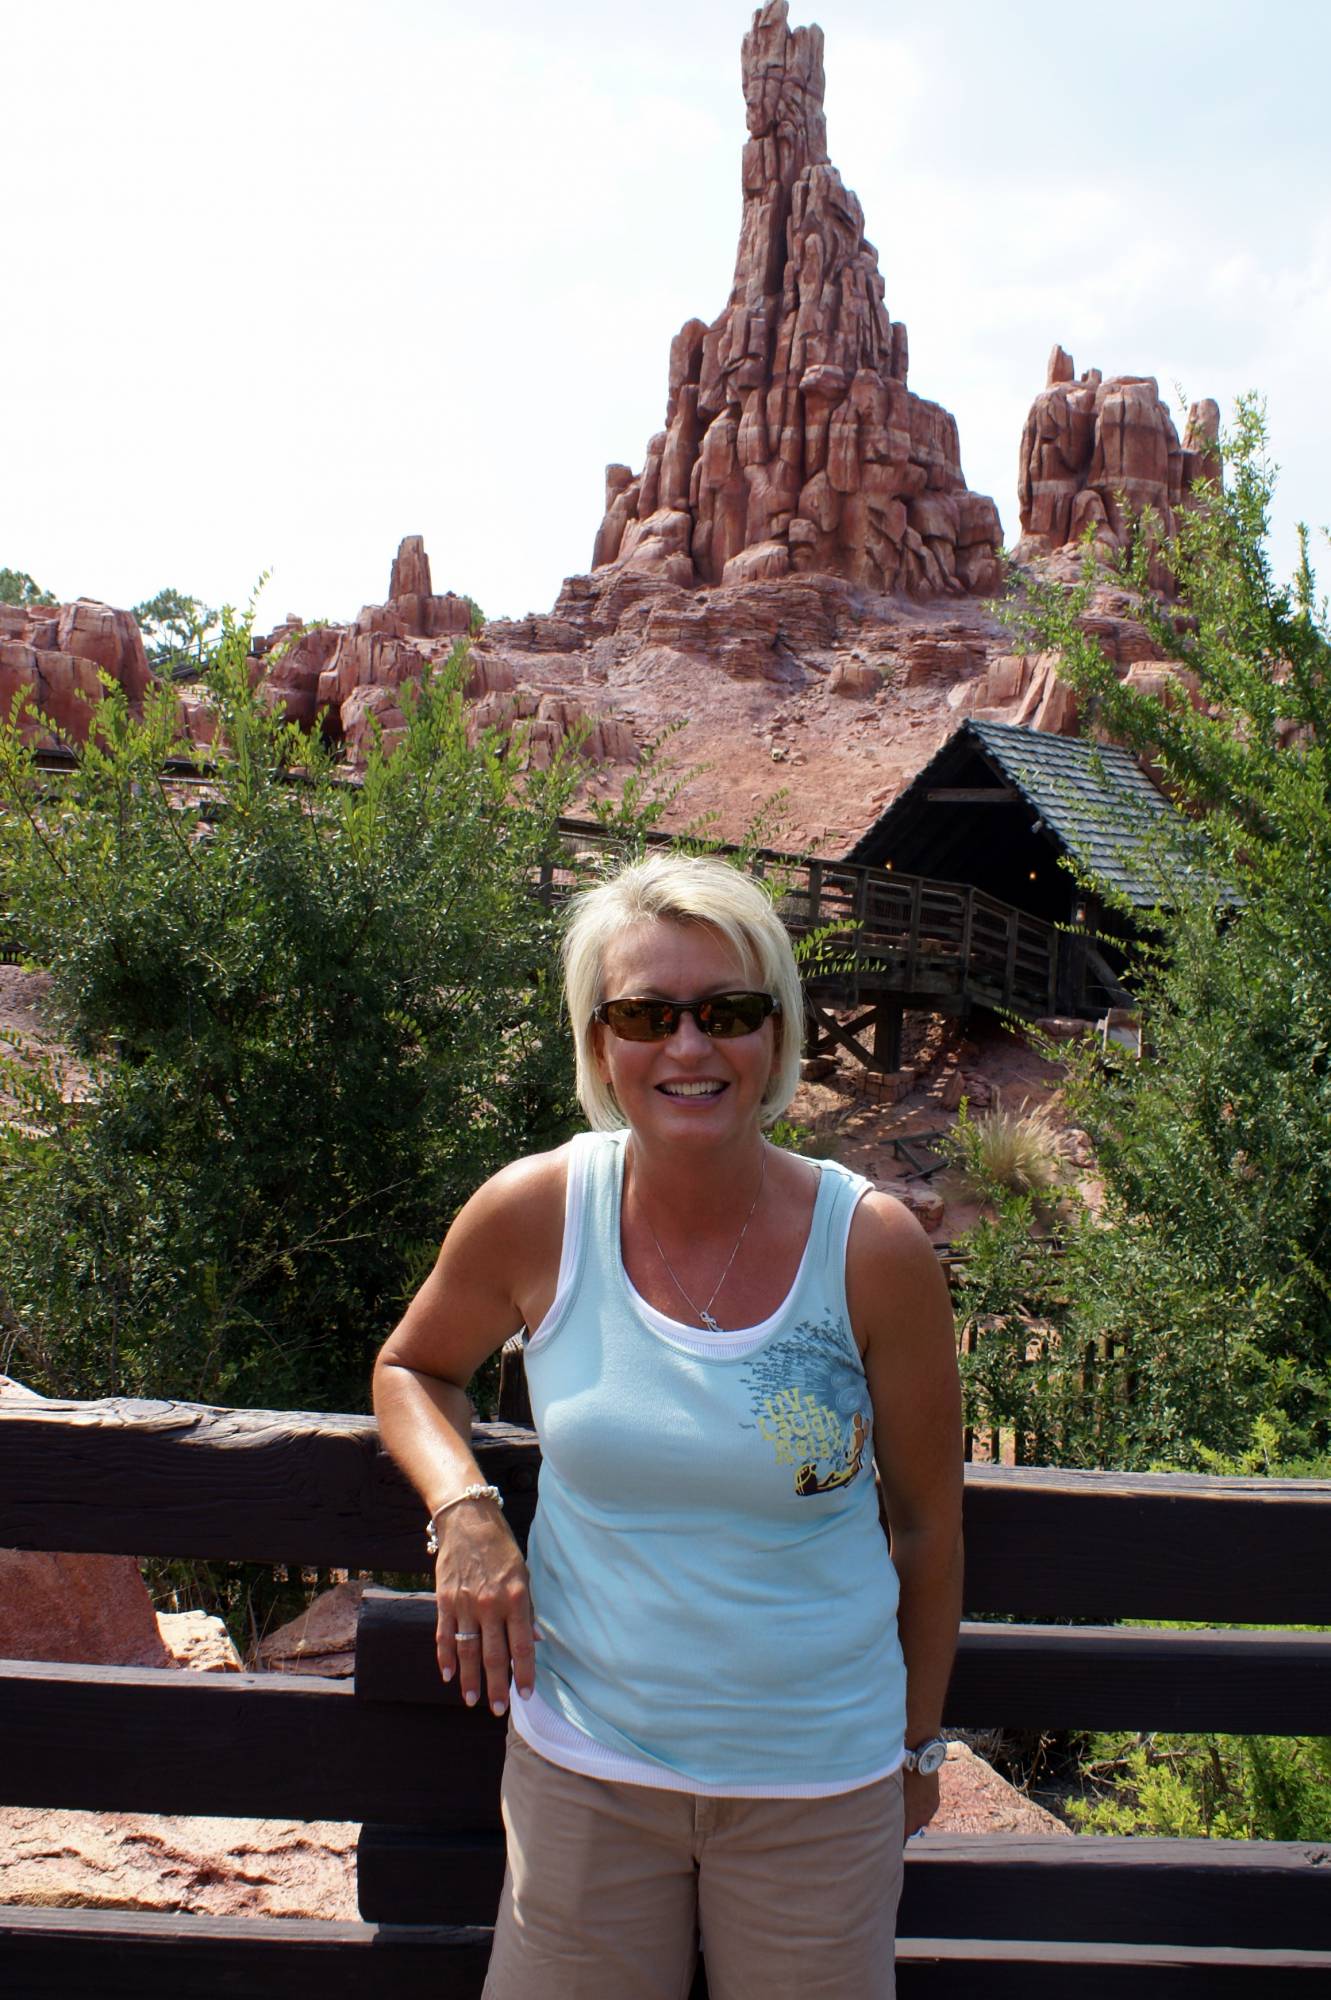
[[708, 1570]]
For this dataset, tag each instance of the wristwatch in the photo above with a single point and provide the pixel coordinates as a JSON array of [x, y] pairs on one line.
[[927, 1757]]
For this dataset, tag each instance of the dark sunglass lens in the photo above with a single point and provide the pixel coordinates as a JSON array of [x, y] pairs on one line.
[[639, 1020], [732, 1014]]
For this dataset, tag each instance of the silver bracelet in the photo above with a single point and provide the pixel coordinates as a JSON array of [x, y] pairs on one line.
[[476, 1492]]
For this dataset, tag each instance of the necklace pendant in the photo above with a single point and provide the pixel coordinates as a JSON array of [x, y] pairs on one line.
[[712, 1325]]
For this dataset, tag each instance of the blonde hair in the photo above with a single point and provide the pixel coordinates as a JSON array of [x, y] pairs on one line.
[[681, 889]]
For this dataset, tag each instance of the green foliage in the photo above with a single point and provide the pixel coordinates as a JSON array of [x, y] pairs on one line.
[[1207, 1271], [179, 632], [313, 1016], [17, 587], [1194, 1787]]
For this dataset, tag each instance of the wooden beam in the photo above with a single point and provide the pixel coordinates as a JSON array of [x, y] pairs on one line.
[[832, 1032], [1192, 1892], [1248, 1894], [1147, 1545], [1000, 1969], [416, 1875], [973, 795], [125, 1954], [182, 1479], [1022, 1676], [1118, 1677], [176, 1479], [266, 1746]]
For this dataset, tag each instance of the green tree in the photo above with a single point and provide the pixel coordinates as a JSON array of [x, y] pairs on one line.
[[312, 1015], [1204, 1281], [179, 632], [17, 587]]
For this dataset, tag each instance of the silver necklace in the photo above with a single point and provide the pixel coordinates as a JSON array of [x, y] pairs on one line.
[[704, 1313]]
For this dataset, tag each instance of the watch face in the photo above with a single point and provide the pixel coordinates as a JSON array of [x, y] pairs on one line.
[[931, 1757]]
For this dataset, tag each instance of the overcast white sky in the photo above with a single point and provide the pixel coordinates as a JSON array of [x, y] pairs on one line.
[[286, 281]]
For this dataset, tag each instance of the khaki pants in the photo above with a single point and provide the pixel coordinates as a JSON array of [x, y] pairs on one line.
[[608, 1886]]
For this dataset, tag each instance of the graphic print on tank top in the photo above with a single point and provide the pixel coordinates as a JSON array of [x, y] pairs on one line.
[[811, 1404]]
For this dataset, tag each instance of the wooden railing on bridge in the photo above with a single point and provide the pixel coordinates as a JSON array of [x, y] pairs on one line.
[[398, 1751], [888, 935]]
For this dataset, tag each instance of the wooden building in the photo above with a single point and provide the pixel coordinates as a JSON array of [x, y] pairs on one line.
[[1028, 818]]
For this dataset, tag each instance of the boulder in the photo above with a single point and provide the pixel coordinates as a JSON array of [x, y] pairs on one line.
[[321, 1641], [198, 1641], [973, 1798]]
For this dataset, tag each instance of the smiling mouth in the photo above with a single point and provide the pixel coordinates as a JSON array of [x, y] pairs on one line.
[[692, 1089]]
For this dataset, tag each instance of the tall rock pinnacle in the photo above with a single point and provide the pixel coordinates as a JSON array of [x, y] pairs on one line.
[[791, 441]]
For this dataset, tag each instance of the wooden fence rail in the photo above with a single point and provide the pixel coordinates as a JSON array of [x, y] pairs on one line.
[[398, 1751]]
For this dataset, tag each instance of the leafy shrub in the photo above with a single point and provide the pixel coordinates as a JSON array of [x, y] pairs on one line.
[[315, 1015], [1204, 1282], [1194, 1787]]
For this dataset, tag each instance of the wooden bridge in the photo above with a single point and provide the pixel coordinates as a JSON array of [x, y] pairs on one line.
[[879, 943], [395, 1749]]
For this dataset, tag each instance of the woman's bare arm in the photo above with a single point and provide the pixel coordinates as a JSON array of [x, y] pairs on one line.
[[901, 1311], [495, 1272]]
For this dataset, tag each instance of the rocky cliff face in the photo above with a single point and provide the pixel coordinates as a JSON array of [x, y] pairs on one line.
[[791, 441], [1096, 453]]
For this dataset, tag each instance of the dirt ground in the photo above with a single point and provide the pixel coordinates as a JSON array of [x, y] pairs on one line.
[[998, 1068]]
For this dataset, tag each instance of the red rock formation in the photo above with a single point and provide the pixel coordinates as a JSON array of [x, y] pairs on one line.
[[791, 441], [57, 653], [1096, 453]]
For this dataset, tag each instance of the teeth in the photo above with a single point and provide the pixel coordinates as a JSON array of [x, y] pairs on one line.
[[691, 1089]]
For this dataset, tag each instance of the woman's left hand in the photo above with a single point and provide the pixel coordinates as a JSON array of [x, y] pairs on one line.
[[921, 1796]]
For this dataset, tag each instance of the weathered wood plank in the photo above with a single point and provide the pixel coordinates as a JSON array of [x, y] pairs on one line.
[[1099, 1677], [183, 1479], [415, 1875], [1190, 1892], [943, 1968], [1022, 1676], [123, 1954], [1104, 1545], [120, 1955], [973, 795], [179, 1479], [285, 1746]]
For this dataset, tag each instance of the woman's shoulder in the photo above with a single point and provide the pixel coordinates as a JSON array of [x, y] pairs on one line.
[[535, 1187], [530, 1182]]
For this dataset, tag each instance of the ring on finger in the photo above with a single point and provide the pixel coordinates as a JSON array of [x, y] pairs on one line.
[[464, 1637]]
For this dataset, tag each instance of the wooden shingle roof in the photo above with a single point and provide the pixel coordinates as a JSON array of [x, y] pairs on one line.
[[1094, 799]]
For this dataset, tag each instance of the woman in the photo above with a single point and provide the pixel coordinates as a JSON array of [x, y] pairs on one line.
[[730, 1722]]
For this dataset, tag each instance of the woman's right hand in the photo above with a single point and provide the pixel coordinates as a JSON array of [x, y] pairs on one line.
[[482, 1587]]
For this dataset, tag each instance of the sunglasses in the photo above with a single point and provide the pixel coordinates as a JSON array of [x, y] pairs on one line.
[[722, 1016]]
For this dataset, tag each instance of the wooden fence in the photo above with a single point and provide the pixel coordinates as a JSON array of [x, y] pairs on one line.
[[397, 1750]]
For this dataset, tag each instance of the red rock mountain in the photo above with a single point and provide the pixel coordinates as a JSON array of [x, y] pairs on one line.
[[792, 444], [795, 583]]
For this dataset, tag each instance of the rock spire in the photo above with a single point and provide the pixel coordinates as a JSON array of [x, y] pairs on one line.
[[791, 442]]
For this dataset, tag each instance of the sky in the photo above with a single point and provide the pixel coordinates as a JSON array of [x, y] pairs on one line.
[[284, 282]]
